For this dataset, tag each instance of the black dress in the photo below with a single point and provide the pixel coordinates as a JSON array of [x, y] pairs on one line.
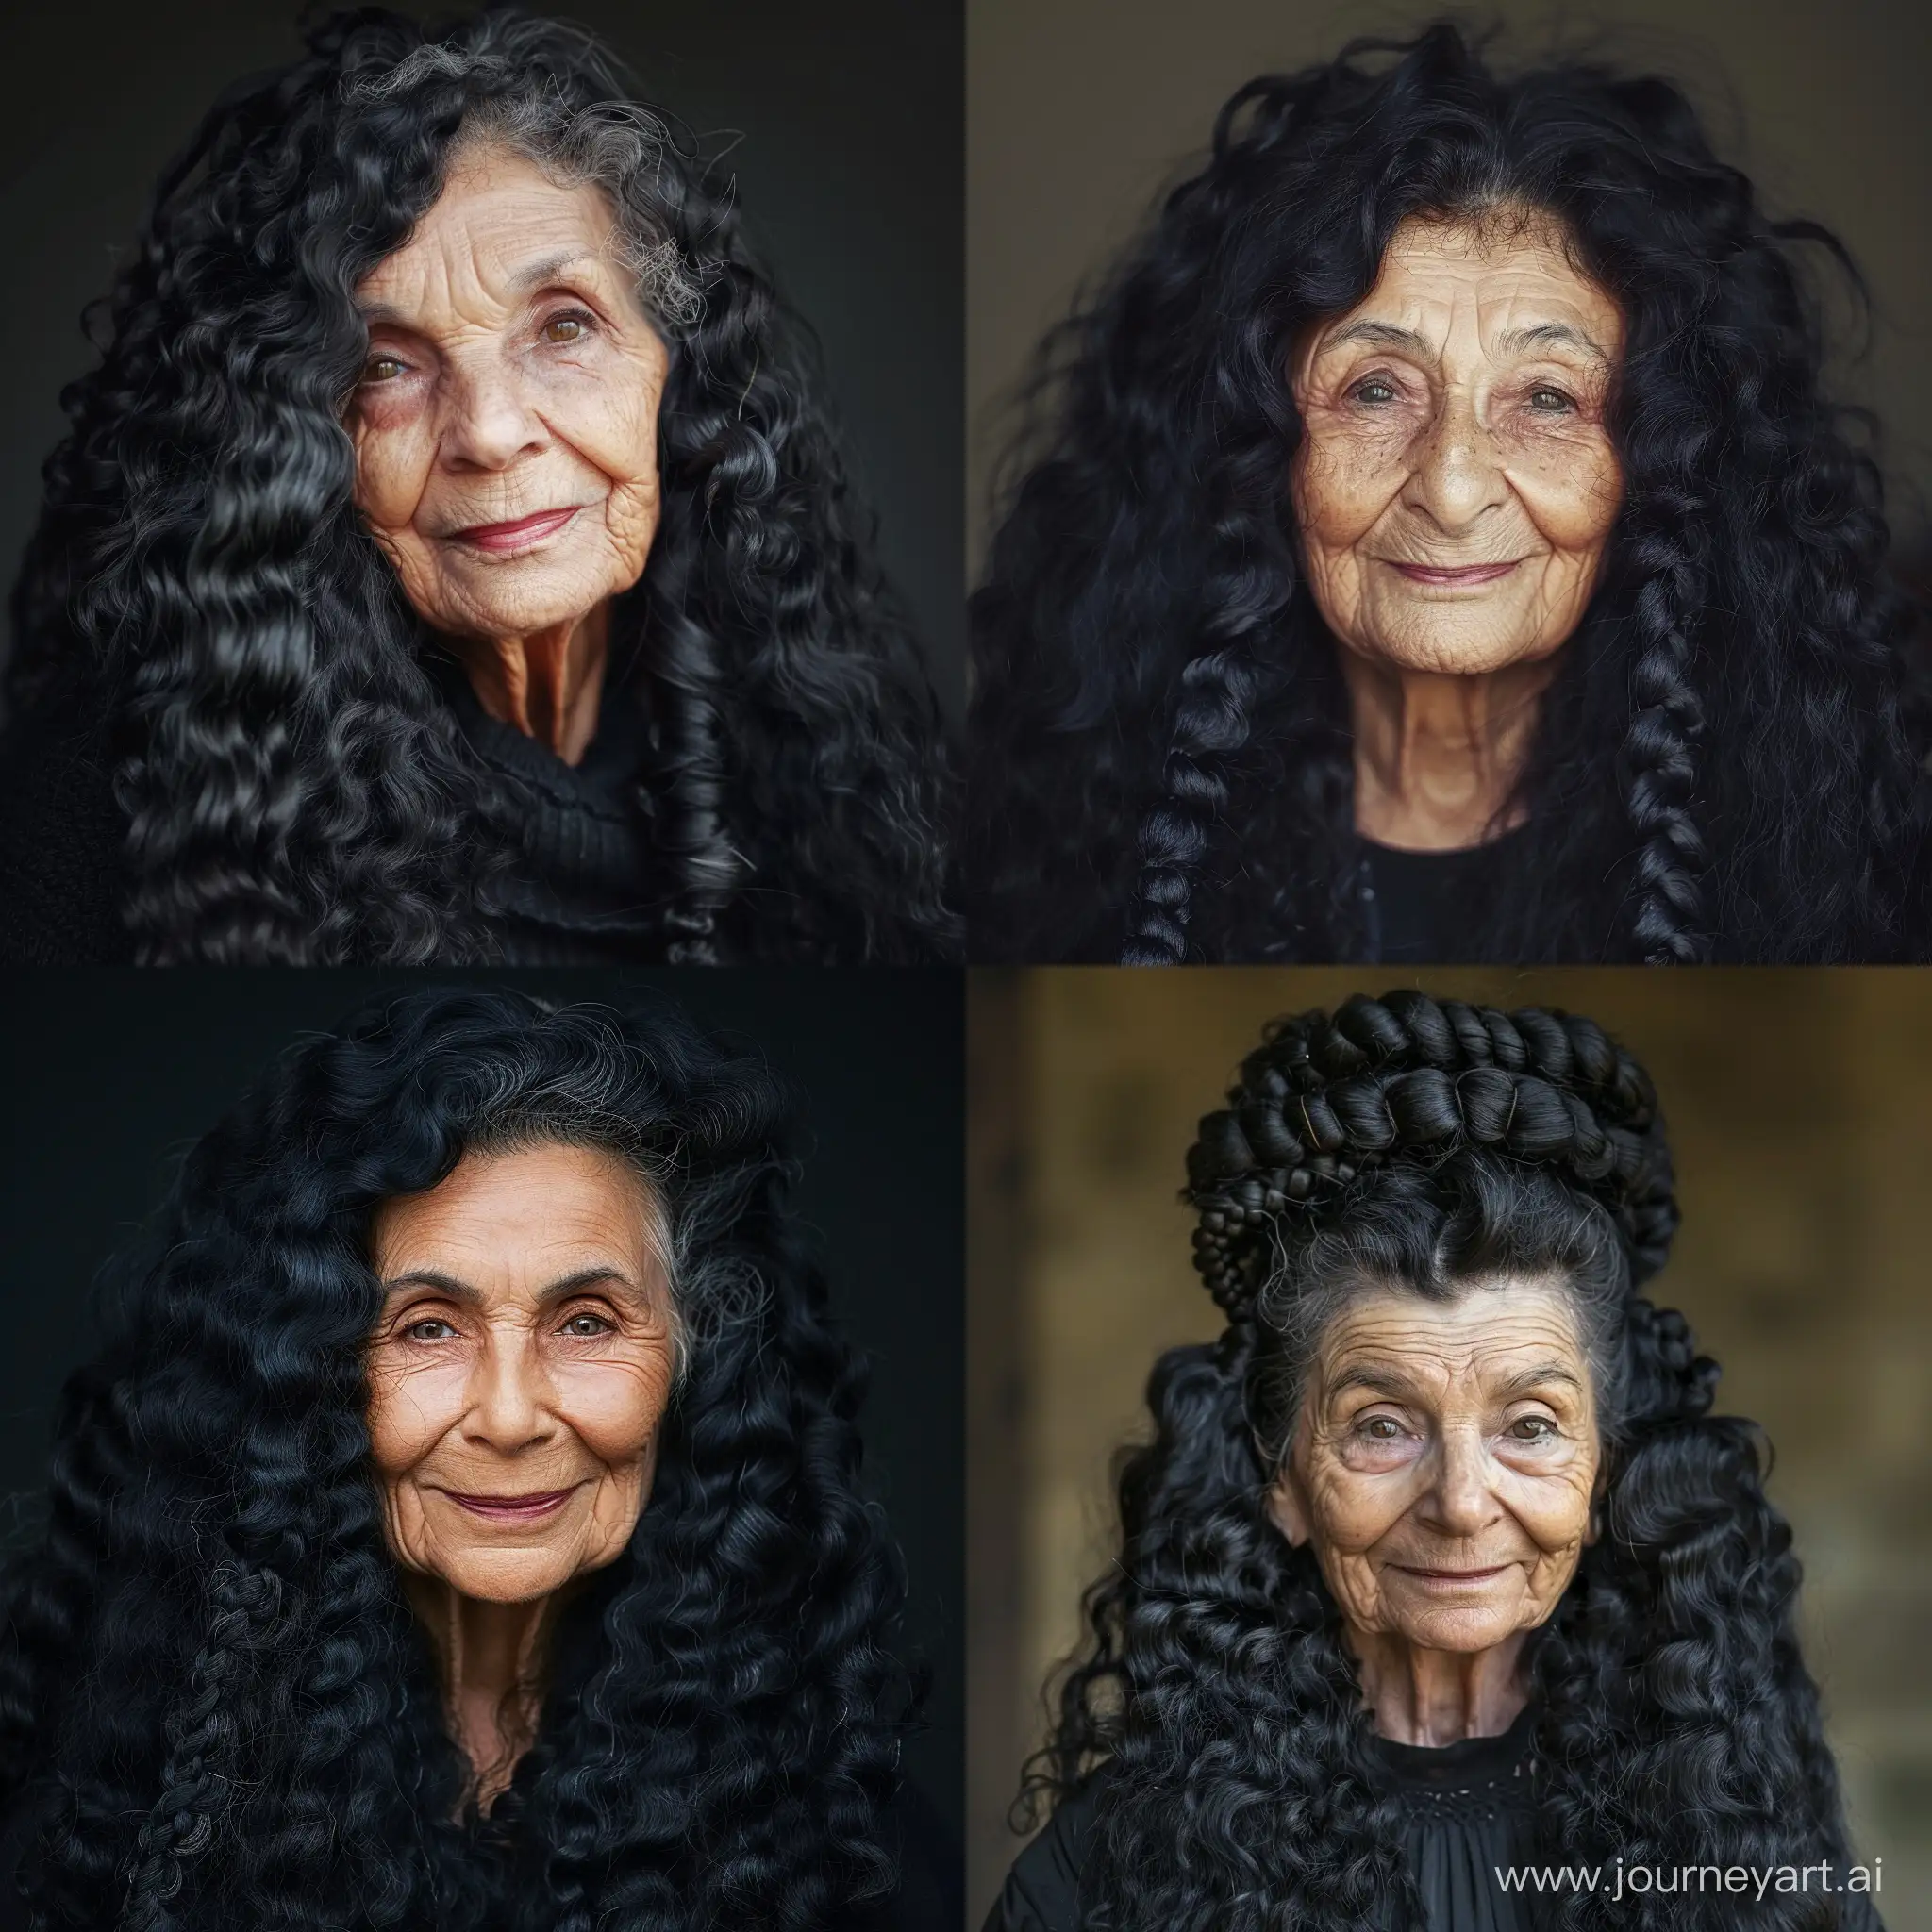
[[1467, 1809]]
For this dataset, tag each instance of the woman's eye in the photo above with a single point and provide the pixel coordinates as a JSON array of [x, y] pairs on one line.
[[1532, 1428], [1381, 1428], [566, 328], [587, 1326], [430, 1328], [381, 368], [1374, 391], [1550, 402]]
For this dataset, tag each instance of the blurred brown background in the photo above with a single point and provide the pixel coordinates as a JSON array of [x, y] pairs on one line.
[[1078, 112], [1800, 1104]]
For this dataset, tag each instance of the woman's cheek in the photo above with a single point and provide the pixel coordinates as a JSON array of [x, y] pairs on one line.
[[1353, 1509], [410, 1410], [392, 462], [1573, 491], [1344, 482], [615, 1407], [1552, 1506]]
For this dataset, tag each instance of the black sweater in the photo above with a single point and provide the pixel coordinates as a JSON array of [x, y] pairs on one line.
[[587, 888]]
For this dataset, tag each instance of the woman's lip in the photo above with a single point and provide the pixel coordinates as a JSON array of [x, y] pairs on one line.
[[1453, 1576], [519, 534], [1461, 574], [514, 1508]]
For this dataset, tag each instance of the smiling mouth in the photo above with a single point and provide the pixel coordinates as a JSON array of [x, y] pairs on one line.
[[1452, 579], [526, 533], [1454, 1576], [530, 1509]]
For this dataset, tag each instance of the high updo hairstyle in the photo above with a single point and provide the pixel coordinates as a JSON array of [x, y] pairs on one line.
[[1422, 1146]]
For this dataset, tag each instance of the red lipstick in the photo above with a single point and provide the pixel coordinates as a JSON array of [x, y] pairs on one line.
[[521, 534]]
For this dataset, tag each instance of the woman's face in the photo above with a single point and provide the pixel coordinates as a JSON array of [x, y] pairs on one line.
[[1445, 1462], [520, 1370], [1455, 485], [506, 425]]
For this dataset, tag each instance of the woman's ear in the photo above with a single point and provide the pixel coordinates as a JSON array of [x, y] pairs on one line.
[[1599, 1493], [1287, 1507]]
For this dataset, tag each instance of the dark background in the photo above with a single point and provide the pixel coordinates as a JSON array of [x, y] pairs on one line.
[[844, 121], [108, 1077]]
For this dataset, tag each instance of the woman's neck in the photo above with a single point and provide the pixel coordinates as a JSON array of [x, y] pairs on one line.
[[1438, 754], [548, 684], [1438, 1697], [491, 1658]]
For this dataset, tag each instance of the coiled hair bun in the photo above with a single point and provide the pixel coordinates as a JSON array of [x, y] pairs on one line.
[[1328, 1099]]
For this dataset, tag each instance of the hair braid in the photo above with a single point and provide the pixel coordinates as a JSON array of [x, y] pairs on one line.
[[1326, 1099], [201, 1735], [1659, 768], [1212, 722]]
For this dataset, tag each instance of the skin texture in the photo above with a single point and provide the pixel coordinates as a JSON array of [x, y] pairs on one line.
[[511, 371], [525, 1349], [1455, 423], [1435, 1440]]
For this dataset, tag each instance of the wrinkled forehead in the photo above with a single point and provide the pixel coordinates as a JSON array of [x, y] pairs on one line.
[[1503, 1332], [1505, 283], [501, 228]]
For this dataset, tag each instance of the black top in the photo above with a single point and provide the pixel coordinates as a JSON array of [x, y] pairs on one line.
[[931, 1895], [1412, 901], [586, 890], [589, 890], [1466, 1808]]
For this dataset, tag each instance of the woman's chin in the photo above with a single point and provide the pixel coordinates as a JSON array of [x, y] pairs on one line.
[[508, 1576], [1465, 1628]]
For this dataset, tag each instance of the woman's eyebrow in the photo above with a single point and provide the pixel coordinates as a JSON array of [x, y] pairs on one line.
[[1389, 333], [1541, 1376], [1371, 1375], [547, 269], [1512, 341], [460, 1291]]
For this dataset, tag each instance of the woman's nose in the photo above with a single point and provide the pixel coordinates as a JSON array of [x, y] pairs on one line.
[[509, 1395], [1457, 476], [1461, 1502], [488, 422]]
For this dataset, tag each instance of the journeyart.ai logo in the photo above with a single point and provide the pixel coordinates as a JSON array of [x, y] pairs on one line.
[[1756, 1881]]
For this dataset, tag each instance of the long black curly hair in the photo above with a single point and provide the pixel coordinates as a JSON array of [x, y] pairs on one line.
[[216, 1709], [295, 788], [1725, 764], [1421, 1146]]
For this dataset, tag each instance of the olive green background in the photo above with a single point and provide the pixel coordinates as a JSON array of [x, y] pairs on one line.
[[1080, 111], [1800, 1109]]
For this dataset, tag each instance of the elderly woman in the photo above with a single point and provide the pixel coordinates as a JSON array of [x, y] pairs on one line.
[[1439, 1574], [1442, 549], [461, 1528], [450, 557]]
